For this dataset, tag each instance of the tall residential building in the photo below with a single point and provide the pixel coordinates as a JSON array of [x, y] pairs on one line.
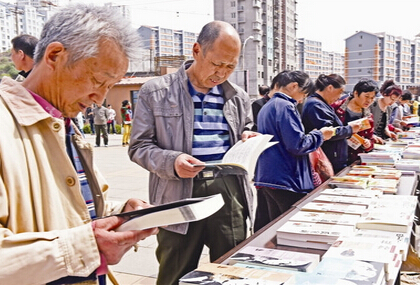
[[380, 56], [168, 47], [313, 60], [124, 10], [167, 42], [20, 19], [267, 29]]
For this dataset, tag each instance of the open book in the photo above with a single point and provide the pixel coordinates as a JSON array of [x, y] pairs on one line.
[[177, 212], [245, 154]]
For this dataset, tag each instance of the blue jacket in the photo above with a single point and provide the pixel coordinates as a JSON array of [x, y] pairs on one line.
[[285, 165], [316, 113]]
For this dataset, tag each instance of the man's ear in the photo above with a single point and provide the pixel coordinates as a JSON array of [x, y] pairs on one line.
[[55, 54], [196, 49]]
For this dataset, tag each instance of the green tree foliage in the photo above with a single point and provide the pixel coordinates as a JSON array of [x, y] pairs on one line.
[[7, 67]]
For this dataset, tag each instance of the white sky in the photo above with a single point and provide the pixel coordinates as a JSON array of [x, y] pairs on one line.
[[327, 21]]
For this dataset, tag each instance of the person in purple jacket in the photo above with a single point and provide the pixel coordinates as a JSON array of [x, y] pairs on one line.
[[283, 174]]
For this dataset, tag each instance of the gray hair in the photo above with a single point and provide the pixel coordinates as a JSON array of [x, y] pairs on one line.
[[81, 27]]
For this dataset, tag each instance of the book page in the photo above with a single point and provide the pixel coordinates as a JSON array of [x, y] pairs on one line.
[[247, 153]]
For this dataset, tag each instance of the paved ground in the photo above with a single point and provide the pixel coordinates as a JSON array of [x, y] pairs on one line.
[[127, 180]]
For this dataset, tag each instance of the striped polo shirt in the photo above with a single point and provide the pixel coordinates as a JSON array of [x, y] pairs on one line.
[[211, 130]]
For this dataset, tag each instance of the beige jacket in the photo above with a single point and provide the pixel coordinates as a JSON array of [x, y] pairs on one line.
[[45, 229]]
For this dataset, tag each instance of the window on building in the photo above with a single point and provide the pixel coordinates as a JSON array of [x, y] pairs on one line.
[[359, 70], [259, 74], [360, 53], [232, 3], [233, 15], [262, 74], [360, 45]]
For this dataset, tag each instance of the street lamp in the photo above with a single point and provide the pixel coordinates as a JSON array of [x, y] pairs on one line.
[[243, 51]]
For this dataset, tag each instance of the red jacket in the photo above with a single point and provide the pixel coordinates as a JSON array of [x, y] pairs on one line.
[[340, 107]]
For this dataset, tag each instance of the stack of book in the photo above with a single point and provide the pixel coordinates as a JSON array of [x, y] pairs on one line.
[[383, 251], [408, 164], [378, 178], [385, 158], [411, 152], [352, 192], [389, 213], [311, 235], [348, 181]]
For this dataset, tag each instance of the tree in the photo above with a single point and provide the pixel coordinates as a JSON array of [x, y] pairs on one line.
[[7, 68]]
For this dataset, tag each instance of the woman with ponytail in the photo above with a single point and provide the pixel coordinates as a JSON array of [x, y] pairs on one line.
[[318, 113]]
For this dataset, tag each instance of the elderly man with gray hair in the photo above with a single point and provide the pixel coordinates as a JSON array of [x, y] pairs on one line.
[[50, 191]]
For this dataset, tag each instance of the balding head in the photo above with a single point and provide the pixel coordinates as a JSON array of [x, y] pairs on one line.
[[214, 31]]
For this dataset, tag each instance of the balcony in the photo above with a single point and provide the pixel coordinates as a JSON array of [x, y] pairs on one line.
[[256, 3], [257, 37], [256, 26]]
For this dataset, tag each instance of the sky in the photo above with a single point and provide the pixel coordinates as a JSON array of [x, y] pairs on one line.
[[327, 21]]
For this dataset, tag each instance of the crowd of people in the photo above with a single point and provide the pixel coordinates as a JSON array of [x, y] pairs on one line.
[[51, 194]]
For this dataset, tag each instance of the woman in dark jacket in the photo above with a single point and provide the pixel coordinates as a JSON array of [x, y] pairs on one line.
[[318, 113], [283, 174], [356, 107]]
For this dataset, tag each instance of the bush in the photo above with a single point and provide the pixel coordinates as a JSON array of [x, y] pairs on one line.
[[118, 128], [86, 129]]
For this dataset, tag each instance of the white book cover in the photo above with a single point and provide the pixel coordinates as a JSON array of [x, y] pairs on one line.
[[276, 258], [182, 211], [212, 273], [326, 218], [313, 232], [360, 272], [352, 192], [369, 249], [343, 199], [334, 208], [401, 239]]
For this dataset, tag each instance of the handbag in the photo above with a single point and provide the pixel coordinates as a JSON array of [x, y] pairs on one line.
[[321, 164]]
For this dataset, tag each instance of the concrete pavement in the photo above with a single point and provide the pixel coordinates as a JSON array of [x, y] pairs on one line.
[[127, 180]]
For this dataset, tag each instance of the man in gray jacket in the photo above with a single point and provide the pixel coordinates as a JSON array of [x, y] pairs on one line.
[[100, 118], [191, 117]]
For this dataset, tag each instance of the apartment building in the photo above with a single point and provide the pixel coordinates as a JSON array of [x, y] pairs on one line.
[[313, 60], [20, 19], [267, 29], [381, 56], [167, 42]]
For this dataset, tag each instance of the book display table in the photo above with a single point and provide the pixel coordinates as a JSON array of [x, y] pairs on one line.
[[267, 236]]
